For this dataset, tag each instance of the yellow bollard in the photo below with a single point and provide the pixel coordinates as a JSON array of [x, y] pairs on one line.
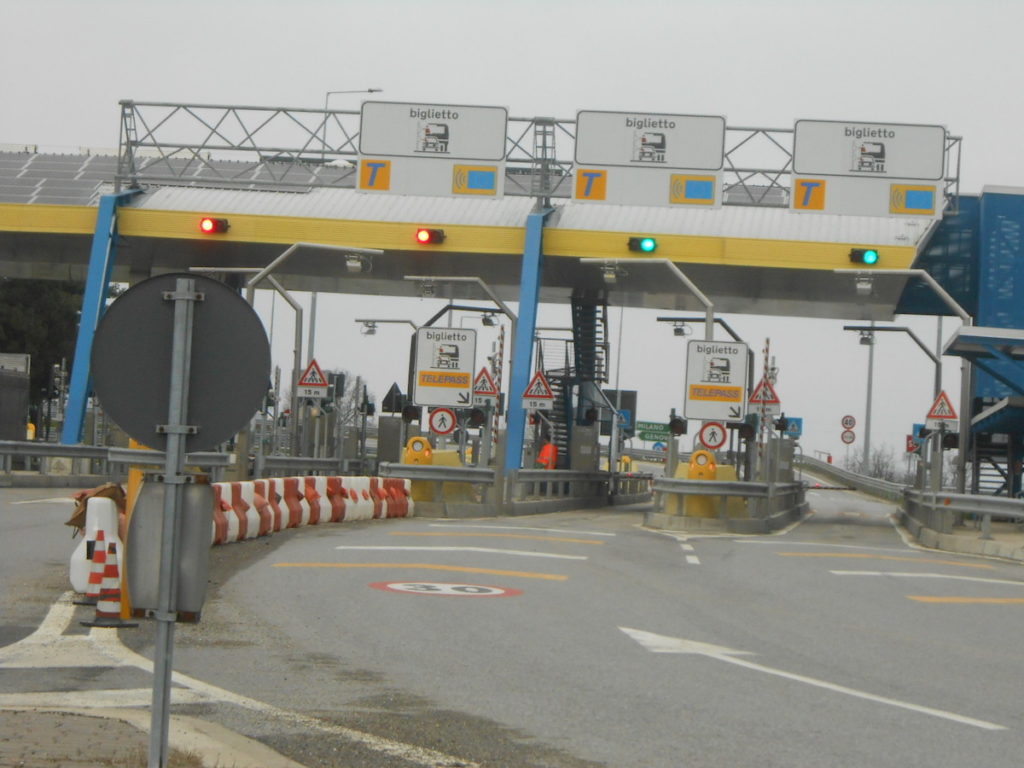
[[418, 450], [703, 466]]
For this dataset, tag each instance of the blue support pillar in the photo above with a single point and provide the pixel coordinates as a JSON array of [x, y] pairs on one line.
[[97, 284], [522, 354]]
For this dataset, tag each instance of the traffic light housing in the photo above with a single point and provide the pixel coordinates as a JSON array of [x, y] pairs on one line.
[[782, 424], [210, 225], [643, 244], [476, 417], [868, 256], [426, 236], [677, 426], [411, 413]]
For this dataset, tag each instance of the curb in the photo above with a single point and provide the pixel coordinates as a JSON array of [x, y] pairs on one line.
[[962, 545], [216, 745]]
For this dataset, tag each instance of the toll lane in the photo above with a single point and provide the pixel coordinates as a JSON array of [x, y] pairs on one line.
[[798, 661]]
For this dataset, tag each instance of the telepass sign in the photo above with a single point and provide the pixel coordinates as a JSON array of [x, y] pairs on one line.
[[716, 380]]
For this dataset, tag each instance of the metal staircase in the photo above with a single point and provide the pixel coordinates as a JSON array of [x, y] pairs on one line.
[[590, 343], [554, 358]]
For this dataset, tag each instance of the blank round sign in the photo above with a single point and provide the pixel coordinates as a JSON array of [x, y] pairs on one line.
[[229, 369]]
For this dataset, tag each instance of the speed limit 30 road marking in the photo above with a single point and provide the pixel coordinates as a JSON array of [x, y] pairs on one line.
[[445, 589]]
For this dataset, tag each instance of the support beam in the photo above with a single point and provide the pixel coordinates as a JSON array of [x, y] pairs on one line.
[[522, 348], [97, 286]]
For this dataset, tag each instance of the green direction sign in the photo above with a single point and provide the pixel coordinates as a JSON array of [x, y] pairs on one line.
[[653, 436], [651, 426]]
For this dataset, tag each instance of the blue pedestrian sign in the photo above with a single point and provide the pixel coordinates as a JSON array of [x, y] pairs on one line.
[[794, 427]]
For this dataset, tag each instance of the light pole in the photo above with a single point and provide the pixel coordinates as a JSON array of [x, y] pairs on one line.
[[937, 386], [864, 276], [327, 96], [610, 271]]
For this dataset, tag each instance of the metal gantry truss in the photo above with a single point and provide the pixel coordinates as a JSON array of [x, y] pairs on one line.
[[296, 149]]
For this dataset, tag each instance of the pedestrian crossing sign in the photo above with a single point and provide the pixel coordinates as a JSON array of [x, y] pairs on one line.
[[313, 383], [941, 412], [538, 395]]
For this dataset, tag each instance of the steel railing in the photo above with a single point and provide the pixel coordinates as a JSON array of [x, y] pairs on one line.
[[771, 498], [939, 511]]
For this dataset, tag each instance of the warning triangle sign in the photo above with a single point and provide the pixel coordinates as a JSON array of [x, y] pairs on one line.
[[483, 384], [313, 377], [764, 394], [539, 389], [942, 408]]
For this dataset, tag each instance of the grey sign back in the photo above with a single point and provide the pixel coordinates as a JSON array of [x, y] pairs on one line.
[[229, 369]]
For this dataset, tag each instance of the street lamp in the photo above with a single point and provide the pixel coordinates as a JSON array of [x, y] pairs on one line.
[[965, 367], [327, 96], [611, 271], [863, 329], [370, 324]]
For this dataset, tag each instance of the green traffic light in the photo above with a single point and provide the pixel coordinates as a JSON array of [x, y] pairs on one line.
[[864, 256], [643, 244]]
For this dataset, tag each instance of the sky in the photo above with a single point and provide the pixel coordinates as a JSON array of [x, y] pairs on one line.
[[68, 63]]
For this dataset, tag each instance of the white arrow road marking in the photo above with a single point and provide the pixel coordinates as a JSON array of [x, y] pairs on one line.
[[663, 644], [896, 574], [485, 550]]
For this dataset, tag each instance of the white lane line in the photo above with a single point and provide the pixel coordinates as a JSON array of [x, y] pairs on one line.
[[903, 575], [485, 550], [664, 644], [518, 528], [687, 547], [54, 500], [817, 544], [693, 560]]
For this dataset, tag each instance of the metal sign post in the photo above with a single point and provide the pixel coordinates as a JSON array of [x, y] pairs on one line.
[[208, 327], [176, 428]]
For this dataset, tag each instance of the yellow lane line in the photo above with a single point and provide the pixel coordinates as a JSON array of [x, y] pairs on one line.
[[868, 556], [969, 600], [499, 536], [430, 567]]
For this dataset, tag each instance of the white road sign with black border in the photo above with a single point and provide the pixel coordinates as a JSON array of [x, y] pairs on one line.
[[445, 362], [716, 380]]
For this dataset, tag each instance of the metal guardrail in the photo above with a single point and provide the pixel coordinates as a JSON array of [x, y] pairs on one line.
[[526, 484], [871, 485], [113, 455], [939, 511], [773, 498], [271, 466], [560, 483]]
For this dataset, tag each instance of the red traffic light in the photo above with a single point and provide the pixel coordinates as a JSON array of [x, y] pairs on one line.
[[429, 236], [211, 226]]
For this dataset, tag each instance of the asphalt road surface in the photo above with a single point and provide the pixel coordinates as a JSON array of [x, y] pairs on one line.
[[582, 639]]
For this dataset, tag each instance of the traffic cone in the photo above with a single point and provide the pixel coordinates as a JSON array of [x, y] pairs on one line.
[[108, 607], [96, 568]]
